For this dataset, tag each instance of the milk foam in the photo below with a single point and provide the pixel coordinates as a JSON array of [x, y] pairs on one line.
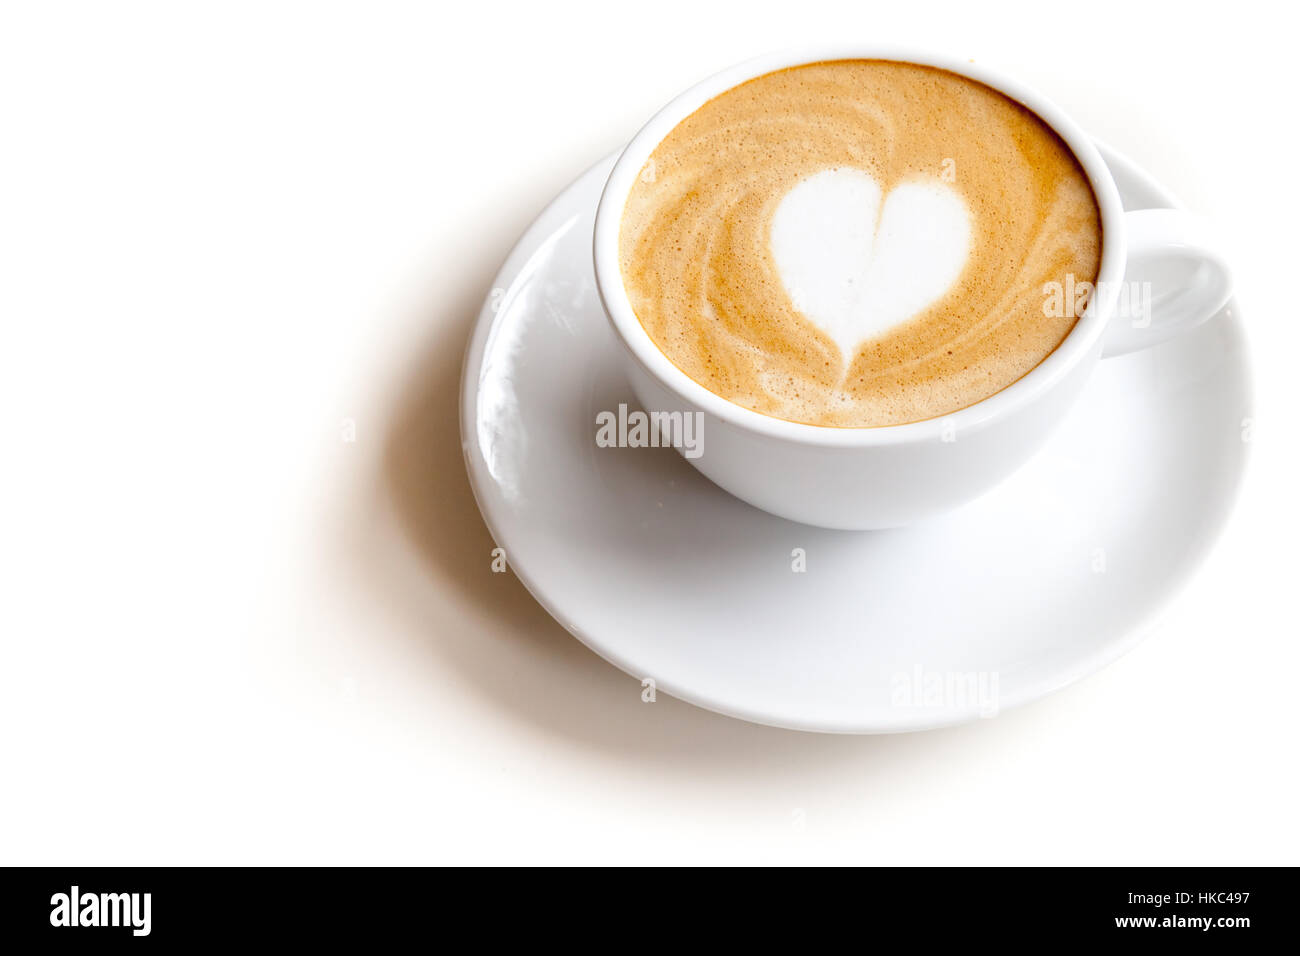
[[857, 270]]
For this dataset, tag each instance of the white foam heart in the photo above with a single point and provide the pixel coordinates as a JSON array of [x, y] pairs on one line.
[[857, 266]]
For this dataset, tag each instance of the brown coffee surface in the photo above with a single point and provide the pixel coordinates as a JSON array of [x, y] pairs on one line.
[[700, 274]]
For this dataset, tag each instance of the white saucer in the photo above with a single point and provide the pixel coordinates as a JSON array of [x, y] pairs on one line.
[[1042, 581]]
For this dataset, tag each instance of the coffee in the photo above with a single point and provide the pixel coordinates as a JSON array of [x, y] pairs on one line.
[[858, 243]]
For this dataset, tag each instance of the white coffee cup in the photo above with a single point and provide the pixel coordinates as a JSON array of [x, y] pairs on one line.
[[881, 477]]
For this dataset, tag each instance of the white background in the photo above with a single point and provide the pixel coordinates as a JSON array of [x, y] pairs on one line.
[[229, 636]]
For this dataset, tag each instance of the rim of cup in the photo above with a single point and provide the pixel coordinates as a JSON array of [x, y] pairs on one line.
[[1077, 345]]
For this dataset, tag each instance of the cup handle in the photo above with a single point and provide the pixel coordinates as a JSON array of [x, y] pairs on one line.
[[1175, 279]]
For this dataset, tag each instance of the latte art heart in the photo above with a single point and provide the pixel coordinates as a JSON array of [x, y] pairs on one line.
[[857, 267]]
